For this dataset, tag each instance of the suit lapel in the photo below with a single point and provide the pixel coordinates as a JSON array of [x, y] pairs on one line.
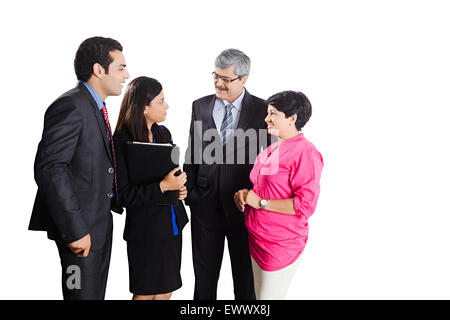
[[102, 127], [100, 120], [209, 113], [246, 111]]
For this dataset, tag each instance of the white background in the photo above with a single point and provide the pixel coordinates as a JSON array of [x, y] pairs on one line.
[[376, 72]]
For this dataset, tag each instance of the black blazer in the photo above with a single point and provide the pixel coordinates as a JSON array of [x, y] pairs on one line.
[[210, 183], [146, 219], [74, 172]]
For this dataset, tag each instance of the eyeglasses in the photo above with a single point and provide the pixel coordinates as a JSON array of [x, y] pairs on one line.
[[224, 79]]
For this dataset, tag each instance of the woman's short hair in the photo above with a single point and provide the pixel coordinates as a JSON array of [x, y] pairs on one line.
[[290, 103]]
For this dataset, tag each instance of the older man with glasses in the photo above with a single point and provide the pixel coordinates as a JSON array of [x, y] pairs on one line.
[[211, 185]]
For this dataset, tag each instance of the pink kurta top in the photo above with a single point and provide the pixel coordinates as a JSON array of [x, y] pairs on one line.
[[291, 171]]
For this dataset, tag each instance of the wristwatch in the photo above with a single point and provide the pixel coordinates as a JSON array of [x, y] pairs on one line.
[[263, 203]]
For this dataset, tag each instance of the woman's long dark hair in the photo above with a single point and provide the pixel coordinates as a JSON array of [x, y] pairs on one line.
[[140, 93]]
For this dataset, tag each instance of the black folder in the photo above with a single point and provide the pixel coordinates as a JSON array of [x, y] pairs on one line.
[[151, 162]]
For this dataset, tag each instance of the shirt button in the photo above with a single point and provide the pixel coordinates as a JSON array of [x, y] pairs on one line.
[[111, 170], [110, 195]]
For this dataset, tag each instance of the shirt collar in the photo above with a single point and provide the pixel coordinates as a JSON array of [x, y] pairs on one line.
[[295, 138], [237, 103], [95, 95]]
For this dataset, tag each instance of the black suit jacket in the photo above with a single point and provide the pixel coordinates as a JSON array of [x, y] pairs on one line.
[[147, 220], [74, 172], [211, 183]]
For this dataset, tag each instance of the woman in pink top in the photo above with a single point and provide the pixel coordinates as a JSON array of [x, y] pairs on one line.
[[285, 191]]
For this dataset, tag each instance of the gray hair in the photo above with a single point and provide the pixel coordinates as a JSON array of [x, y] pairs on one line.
[[234, 57]]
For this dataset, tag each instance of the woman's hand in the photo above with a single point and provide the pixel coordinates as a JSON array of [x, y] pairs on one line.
[[252, 199], [183, 193], [239, 199], [172, 182]]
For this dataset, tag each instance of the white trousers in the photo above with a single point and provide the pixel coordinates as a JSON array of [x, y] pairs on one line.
[[273, 285]]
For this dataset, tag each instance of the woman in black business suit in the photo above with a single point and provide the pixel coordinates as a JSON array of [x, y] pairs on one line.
[[152, 230]]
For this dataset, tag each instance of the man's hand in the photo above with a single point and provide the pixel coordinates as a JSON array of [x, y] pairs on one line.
[[239, 199], [81, 247]]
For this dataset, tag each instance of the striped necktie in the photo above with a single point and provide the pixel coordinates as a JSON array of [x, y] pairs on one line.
[[227, 124], [111, 144]]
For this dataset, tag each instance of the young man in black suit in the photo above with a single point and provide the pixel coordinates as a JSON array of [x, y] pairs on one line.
[[217, 169], [75, 170]]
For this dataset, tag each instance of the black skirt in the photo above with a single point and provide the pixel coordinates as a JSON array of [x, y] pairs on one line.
[[154, 268]]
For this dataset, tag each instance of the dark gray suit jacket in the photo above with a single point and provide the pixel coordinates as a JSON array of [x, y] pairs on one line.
[[74, 171], [211, 183]]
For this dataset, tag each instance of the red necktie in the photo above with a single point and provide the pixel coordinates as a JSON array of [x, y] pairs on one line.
[[111, 143]]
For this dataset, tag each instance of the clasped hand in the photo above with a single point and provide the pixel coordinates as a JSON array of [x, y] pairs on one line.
[[173, 182], [246, 197]]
